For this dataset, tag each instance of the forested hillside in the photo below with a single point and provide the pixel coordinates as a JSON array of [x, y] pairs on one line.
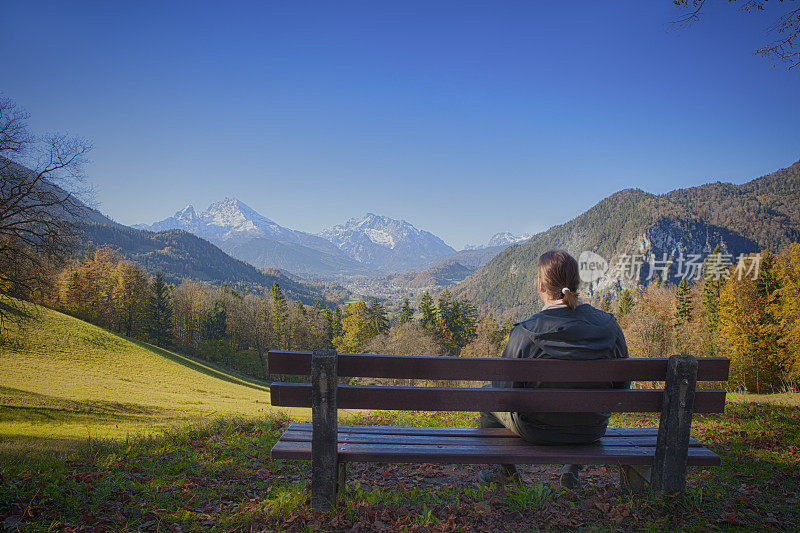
[[761, 214]]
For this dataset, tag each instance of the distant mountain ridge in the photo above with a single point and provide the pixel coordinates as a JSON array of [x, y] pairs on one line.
[[504, 238], [762, 213], [387, 244]]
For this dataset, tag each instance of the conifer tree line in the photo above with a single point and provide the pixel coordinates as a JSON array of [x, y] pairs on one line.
[[754, 322]]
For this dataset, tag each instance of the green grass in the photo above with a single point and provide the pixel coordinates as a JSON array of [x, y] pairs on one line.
[[62, 378], [100, 431], [218, 476]]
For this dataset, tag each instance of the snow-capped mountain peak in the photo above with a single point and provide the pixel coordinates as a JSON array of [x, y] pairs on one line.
[[224, 220], [232, 217], [187, 214], [386, 243], [504, 238]]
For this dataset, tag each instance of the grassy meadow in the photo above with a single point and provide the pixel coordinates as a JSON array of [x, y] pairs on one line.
[[178, 445], [63, 378]]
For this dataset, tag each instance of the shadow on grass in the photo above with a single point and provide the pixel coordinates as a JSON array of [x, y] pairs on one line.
[[203, 367], [13, 311], [11, 398]]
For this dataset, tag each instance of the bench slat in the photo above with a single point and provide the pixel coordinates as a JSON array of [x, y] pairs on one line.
[[457, 431], [480, 399], [485, 440], [495, 368], [400, 453]]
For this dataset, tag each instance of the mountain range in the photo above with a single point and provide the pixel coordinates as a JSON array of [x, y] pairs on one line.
[[249, 236], [762, 213], [367, 245]]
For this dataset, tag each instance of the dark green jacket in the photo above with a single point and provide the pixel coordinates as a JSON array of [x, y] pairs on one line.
[[561, 333]]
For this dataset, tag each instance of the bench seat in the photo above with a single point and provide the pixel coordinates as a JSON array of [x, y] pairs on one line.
[[405, 444], [664, 452]]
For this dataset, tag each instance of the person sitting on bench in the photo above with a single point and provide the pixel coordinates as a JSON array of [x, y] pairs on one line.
[[566, 328]]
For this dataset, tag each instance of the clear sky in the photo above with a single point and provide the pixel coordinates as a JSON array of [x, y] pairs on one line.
[[464, 118]]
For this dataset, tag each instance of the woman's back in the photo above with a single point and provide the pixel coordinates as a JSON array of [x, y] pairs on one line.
[[558, 332], [566, 328]]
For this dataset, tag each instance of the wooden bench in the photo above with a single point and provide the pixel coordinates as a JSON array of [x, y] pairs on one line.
[[329, 446]]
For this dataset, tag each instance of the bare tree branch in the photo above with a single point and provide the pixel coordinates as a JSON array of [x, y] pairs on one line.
[[786, 48], [39, 212]]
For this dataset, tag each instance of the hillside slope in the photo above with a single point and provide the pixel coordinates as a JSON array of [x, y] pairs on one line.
[[762, 213], [62, 377]]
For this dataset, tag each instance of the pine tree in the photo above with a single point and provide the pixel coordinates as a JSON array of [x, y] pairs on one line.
[[337, 320], [625, 303], [467, 322], [160, 310], [428, 319], [329, 324], [280, 316], [406, 312], [378, 319], [447, 321], [299, 329], [711, 289], [767, 274], [683, 303]]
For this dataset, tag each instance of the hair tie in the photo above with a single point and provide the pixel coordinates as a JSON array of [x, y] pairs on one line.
[[564, 291]]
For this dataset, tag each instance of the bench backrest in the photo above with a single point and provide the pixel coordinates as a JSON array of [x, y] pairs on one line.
[[497, 369]]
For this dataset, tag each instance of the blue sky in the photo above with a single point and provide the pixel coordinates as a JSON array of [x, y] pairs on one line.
[[464, 118]]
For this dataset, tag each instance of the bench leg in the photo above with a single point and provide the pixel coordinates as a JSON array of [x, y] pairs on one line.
[[672, 443], [324, 436], [635, 478]]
